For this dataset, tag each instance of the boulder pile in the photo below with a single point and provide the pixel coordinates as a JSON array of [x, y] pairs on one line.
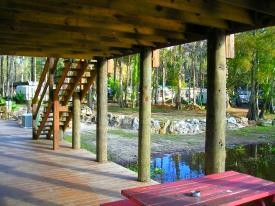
[[184, 126]]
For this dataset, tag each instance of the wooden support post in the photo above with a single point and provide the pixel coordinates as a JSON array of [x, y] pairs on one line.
[[56, 124], [101, 126], [76, 121], [216, 103], [144, 132], [34, 125]]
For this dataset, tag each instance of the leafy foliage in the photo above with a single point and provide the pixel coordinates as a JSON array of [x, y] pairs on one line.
[[2, 101], [115, 87], [19, 98]]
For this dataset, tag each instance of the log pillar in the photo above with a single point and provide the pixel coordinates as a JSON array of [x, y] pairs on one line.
[[76, 121], [216, 103], [56, 107], [102, 124], [144, 132], [34, 124]]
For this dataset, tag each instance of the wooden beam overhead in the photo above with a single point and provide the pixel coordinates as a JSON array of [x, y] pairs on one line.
[[104, 28], [210, 9], [266, 6], [103, 10]]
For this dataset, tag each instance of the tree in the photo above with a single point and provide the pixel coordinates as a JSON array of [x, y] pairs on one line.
[[33, 69], [2, 75], [253, 67]]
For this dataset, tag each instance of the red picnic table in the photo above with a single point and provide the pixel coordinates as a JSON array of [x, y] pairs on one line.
[[228, 188]]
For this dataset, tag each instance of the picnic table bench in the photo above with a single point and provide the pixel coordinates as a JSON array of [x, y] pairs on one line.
[[228, 188]]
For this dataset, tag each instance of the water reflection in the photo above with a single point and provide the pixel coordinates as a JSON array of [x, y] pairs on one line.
[[257, 160]]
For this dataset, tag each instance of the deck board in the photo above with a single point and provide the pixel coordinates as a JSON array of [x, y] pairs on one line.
[[33, 174]]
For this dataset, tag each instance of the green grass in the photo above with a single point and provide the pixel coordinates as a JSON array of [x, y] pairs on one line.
[[268, 131], [123, 133], [84, 145], [117, 109], [16, 107]]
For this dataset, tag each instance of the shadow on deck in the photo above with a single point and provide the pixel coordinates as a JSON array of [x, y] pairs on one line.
[[31, 173]]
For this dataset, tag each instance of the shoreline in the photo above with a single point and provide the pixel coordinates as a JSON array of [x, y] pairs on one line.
[[123, 143]]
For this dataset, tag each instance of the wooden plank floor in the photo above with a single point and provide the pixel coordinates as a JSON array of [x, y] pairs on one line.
[[33, 174]]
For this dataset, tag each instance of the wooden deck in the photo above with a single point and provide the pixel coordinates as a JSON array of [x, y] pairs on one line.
[[33, 174]]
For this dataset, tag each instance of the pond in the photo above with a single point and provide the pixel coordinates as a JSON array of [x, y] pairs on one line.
[[257, 160]]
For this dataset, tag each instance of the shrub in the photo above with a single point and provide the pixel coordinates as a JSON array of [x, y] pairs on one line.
[[19, 98], [2, 101]]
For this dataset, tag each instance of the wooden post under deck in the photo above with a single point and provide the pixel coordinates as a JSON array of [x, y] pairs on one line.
[[144, 133], [51, 94], [76, 121], [101, 126], [56, 107], [216, 103], [34, 125]]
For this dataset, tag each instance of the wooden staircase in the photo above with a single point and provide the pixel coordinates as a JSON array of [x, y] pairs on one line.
[[55, 109]]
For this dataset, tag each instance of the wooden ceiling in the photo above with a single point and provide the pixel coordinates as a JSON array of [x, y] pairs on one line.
[[109, 28]]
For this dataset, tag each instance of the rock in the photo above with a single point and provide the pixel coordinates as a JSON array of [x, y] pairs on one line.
[[189, 126], [243, 121], [135, 123], [115, 120], [252, 122], [155, 126], [127, 122], [164, 126], [195, 121], [231, 120]]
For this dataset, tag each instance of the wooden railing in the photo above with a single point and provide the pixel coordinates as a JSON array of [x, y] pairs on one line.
[[38, 98], [41, 81], [55, 96], [90, 81], [82, 68]]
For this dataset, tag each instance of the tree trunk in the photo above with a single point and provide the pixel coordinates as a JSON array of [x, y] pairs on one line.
[[253, 112], [156, 85], [8, 77], [120, 84], [15, 70], [11, 75], [264, 106], [115, 69], [271, 110], [163, 85], [33, 69], [126, 84], [194, 81], [2, 76], [178, 102]]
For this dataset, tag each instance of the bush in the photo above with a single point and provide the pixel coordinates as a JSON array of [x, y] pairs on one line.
[[19, 98], [2, 101]]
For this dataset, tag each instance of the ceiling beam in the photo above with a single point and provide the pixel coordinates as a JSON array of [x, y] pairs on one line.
[[265, 7]]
